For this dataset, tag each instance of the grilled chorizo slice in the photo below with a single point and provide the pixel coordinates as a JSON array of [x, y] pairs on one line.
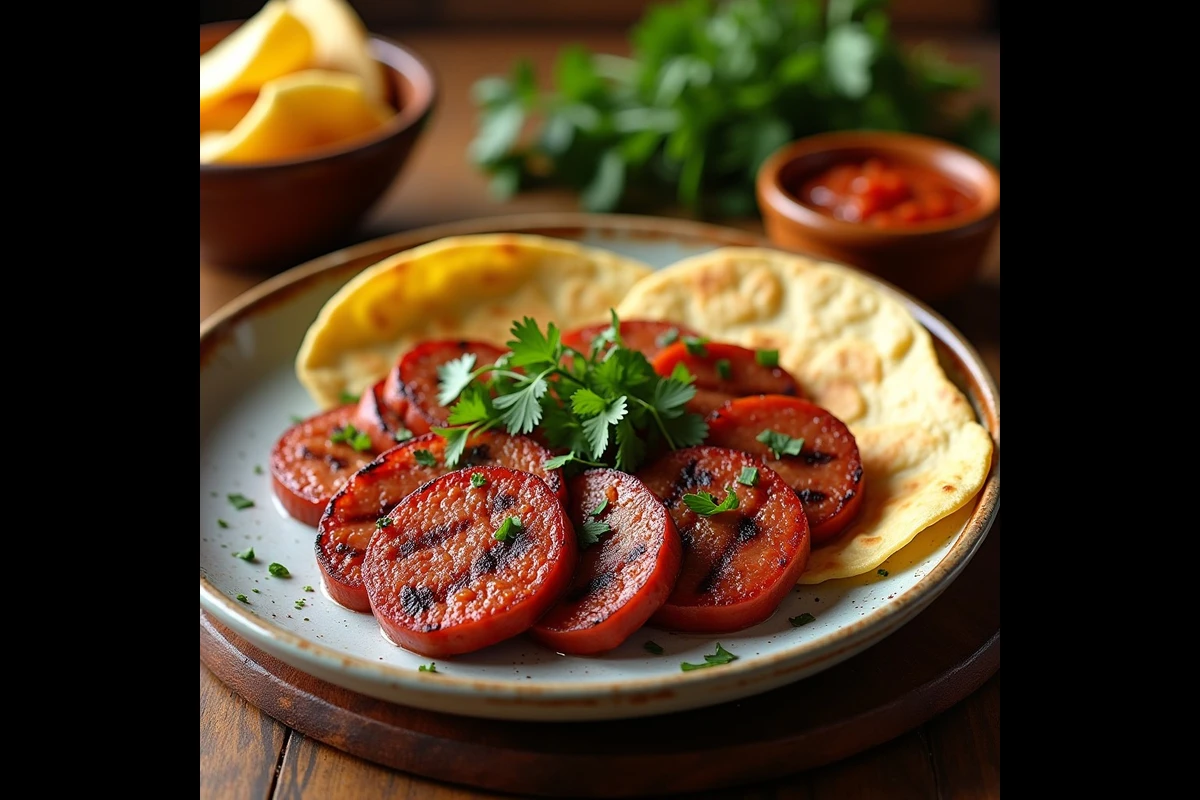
[[458, 564], [352, 514], [827, 473], [739, 564], [417, 379], [649, 337], [314, 458], [723, 372], [374, 417], [625, 576]]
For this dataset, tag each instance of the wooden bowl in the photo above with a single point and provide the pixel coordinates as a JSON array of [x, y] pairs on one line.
[[931, 260], [272, 215]]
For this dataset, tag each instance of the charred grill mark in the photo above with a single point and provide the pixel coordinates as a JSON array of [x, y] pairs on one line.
[[335, 463], [305, 453], [497, 557], [848, 496], [432, 537], [636, 553], [811, 495], [601, 581], [373, 465], [462, 345], [474, 456], [687, 536], [857, 473], [689, 478], [815, 458], [344, 549], [747, 529], [415, 600], [503, 502], [789, 390]]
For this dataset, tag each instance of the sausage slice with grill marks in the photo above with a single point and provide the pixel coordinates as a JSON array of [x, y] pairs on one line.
[[649, 337], [416, 379], [375, 418], [738, 565], [308, 467], [623, 578], [723, 372], [439, 581], [356, 511], [827, 475]]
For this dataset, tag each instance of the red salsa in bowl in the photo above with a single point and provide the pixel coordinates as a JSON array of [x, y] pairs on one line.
[[882, 193]]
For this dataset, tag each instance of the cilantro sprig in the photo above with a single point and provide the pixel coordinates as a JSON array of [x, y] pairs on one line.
[[706, 504], [722, 656], [605, 407]]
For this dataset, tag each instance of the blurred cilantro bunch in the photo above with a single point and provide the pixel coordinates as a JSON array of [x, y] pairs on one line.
[[710, 91]]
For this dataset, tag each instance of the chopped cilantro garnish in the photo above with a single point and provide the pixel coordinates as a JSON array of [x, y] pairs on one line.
[[590, 532], [653, 647], [301, 603], [780, 444], [258, 470], [425, 458], [724, 369], [309, 589], [507, 529], [240, 501], [608, 407], [478, 479], [296, 419], [383, 522], [749, 476], [348, 397], [352, 436], [246, 555], [706, 504], [222, 523], [667, 337], [430, 667], [882, 572], [256, 591], [767, 358], [722, 656], [803, 619], [696, 345], [278, 570], [243, 598], [598, 510], [402, 434]]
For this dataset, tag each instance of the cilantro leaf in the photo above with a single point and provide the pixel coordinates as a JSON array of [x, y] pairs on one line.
[[472, 406], [558, 462], [667, 337], [780, 444], [456, 444], [724, 368], [348, 434], [631, 448], [246, 555], [802, 619], [598, 510], [696, 345], [478, 479], [278, 570], [508, 529], [671, 396], [520, 411], [653, 647], [454, 376], [383, 522], [749, 476], [425, 458], [240, 501], [767, 358], [682, 374], [706, 504], [402, 434], [587, 403], [722, 656], [531, 346], [596, 428], [688, 430], [590, 532], [348, 397], [430, 667]]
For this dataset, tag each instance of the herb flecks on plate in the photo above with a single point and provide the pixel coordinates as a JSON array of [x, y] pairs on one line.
[[605, 408]]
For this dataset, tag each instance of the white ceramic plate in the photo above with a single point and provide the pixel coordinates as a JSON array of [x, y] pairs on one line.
[[249, 394]]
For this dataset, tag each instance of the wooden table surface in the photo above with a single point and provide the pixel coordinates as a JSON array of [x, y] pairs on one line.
[[246, 754]]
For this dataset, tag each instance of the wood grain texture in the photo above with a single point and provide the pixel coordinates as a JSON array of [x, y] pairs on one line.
[[239, 745]]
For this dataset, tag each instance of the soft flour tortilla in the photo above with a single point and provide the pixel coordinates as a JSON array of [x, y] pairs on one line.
[[469, 287], [859, 353]]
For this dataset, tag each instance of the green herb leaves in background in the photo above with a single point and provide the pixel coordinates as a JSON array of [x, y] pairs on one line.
[[710, 91]]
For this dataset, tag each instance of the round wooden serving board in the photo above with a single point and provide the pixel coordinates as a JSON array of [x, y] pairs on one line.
[[944, 654]]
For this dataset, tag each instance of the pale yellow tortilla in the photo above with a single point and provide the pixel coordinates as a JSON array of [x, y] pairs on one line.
[[463, 287], [858, 352]]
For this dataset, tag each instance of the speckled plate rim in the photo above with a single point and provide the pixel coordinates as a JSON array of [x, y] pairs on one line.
[[737, 679]]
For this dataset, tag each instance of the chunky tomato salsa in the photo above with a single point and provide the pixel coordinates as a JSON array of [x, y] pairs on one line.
[[883, 194]]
